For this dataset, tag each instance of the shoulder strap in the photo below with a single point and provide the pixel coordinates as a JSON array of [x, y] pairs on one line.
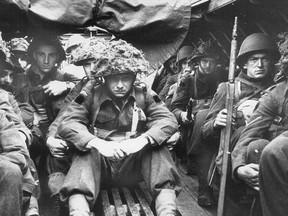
[[140, 96], [95, 106]]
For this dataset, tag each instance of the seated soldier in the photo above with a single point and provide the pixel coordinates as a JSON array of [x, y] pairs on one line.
[[59, 159], [257, 56], [16, 182], [120, 131], [267, 129], [43, 86], [199, 83]]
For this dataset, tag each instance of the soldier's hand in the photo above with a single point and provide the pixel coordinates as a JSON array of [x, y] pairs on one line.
[[108, 149], [57, 147], [131, 146], [184, 118], [250, 175], [55, 88], [221, 119]]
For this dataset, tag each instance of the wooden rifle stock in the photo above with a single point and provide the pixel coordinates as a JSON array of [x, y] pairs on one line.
[[226, 132]]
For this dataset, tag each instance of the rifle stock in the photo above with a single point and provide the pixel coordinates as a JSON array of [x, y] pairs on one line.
[[226, 131]]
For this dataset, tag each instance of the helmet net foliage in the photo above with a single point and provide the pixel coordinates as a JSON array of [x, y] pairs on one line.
[[121, 57], [91, 48]]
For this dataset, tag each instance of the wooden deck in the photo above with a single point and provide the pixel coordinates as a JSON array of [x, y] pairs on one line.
[[186, 202]]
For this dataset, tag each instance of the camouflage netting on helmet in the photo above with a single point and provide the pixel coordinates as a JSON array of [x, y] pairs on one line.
[[92, 48], [283, 48], [18, 44], [208, 48], [121, 57]]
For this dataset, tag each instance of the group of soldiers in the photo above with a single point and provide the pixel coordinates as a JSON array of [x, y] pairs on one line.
[[63, 137], [258, 118]]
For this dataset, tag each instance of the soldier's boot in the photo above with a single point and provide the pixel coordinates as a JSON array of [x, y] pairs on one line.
[[165, 203], [205, 192], [78, 205], [205, 196]]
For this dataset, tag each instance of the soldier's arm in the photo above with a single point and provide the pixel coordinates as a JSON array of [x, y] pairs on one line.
[[161, 123], [217, 104], [74, 125], [256, 129]]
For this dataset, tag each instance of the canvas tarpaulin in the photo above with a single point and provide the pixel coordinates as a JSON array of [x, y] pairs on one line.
[[157, 27]]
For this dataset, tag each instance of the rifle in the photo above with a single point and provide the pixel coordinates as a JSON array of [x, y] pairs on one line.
[[226, 131]]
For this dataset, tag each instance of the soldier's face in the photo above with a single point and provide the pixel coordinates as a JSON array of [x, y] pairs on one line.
[[6, 78], [88, 66], [207, 65], [258, 65], [120, 85], [45, 58]]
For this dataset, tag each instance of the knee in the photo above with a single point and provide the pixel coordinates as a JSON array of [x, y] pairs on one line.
[[10, 172]]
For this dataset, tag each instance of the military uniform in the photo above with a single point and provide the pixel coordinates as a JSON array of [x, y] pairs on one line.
[[28, 89], [14, 157], [248, 90], [58, 167], [153, 163], [267, 122]]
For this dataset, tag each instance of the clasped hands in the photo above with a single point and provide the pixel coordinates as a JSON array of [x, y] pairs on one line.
[[118, 150]]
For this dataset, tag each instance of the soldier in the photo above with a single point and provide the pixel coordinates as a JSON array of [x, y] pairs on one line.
[[16, 183], [59, 159], [43, 86], [257, 57], [131, 126], [73, 42], [18, 48], [264, 129], [182, 64], [198, 83]]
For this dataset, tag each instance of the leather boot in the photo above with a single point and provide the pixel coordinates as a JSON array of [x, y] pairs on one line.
[[78, 205], [205, 196], [165, 203]]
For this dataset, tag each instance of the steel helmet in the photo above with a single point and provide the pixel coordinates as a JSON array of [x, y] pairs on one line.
[[91, 48], [208, 48], [257, 42], [184, 53], [74, 41], [121, 57], [18, 44]]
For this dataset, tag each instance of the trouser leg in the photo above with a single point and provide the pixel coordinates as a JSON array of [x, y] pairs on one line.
[[273, 177], [10, 189], [205, 160], [159, 171], [83, 177], [162, 178]]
